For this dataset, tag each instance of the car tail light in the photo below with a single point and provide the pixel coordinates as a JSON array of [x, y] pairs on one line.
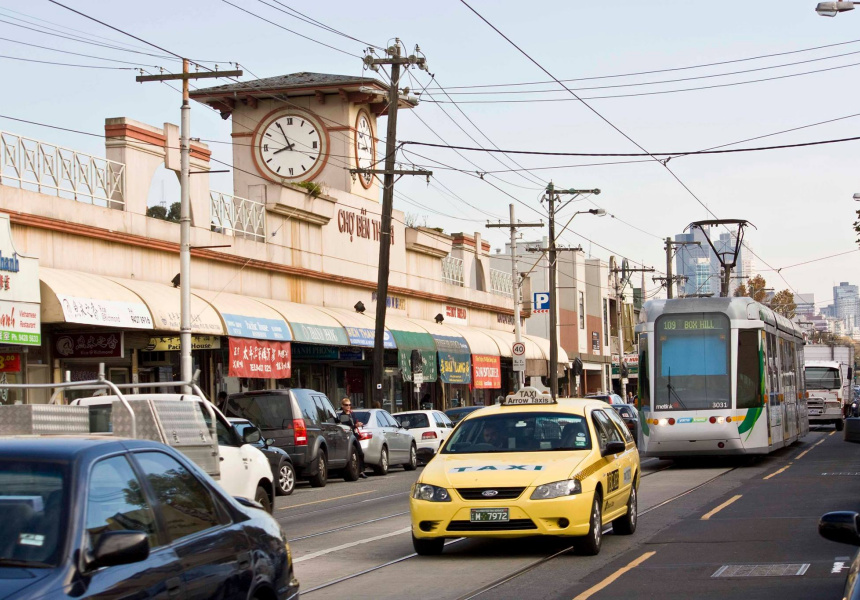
[[301, 432], [364, 434], [428, 435]]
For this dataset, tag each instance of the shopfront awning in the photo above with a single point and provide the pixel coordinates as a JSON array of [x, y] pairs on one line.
[[244, 317], [543, 344], [75, 297], [410, 336], [455, 357], [479, 342], [360, 328], [506, 339], [164, 303], [309, 324]]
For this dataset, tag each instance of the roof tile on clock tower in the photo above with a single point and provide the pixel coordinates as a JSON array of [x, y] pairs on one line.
[[348, 87]]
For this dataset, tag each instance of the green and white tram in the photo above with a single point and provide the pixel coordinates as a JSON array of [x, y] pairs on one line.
[[718, 376]]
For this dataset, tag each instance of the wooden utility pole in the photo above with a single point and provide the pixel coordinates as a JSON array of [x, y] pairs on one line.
[[185, 363], [670, 279], [396, 61], [620, 283], [515, 281]]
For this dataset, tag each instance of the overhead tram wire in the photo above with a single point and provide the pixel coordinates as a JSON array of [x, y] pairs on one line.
[[69, 52], [311, 21], [59, 64], [616, 128]]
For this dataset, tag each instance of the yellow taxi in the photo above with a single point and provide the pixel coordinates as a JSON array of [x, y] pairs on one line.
[[529, 466]]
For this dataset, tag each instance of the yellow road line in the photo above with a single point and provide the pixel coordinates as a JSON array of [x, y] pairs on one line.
[[802, 454], [606, 582], [707, 516], [775, 473], [326, 500]]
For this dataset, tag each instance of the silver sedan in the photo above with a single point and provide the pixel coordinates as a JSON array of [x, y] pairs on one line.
[[384, 441]]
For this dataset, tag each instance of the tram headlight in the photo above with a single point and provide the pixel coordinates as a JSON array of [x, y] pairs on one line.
[[663, 422], [721, 420]]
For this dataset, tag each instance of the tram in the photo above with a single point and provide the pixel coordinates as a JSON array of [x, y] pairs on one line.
[[718, 376]]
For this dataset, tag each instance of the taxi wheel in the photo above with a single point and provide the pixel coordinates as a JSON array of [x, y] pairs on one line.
[[428, 547], [626, 525], [413, 459], [590, 544]]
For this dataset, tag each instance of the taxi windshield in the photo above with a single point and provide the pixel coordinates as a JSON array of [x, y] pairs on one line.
[[520, 432]]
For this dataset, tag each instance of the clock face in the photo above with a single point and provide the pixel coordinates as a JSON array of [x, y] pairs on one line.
[[291, 145], [365, 148]]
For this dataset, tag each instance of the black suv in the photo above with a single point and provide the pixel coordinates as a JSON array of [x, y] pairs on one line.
[[304, 424]]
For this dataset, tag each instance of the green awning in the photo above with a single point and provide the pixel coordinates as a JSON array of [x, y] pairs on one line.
[[407, 341]]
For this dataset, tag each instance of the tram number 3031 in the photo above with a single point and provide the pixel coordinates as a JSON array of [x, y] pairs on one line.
[[612, 481]]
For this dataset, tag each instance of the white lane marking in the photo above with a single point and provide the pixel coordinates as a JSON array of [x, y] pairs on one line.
[[351, 544]]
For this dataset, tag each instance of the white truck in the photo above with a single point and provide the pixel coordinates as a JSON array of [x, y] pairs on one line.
[[829, 372]]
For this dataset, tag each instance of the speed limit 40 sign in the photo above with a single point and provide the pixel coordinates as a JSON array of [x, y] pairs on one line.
[[519, 355]]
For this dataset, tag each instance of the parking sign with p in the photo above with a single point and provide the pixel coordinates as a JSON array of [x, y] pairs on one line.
[[541, 302]]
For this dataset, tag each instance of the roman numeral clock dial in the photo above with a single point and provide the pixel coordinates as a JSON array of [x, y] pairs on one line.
[[365, 148], [290, 146]]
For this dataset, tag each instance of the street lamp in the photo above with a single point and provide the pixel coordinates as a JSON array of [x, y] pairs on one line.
[[856, 197], [830, 9]]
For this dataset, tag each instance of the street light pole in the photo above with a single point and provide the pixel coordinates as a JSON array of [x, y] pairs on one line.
[[831, 9]]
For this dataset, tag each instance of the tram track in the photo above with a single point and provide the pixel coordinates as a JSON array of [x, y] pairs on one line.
[[522, 570]]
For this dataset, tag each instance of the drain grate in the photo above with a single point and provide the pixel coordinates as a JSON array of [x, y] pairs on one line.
[[771, 570]]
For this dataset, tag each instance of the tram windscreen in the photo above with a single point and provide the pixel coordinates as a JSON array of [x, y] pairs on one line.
[[822, 378], [691, 370]]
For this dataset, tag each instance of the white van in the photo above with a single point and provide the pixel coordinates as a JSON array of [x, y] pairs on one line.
[[244, 469]]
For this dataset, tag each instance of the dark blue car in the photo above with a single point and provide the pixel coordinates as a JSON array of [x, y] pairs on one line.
[[96, 517]]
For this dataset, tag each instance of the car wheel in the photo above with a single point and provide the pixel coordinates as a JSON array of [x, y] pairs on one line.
[[262, 498], [350, 473], [382, 467], [840, 425], [320, 479], [413, 459], [285, 479], [428, 547], [589, 545], [626, 525]]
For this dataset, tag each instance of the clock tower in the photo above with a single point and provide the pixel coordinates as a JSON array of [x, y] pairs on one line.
[[300, 134]]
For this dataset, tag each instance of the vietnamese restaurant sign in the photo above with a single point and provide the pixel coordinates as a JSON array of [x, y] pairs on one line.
[[89, 345], [260, 359], [20, 309], [486, 372]]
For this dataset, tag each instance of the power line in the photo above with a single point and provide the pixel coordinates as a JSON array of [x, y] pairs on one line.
[[115, 60], [59, 64], [311, 21]]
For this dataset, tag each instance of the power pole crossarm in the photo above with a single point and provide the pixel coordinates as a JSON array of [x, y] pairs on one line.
[[185, 363]]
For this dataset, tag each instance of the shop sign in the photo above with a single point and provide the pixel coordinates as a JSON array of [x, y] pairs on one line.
[[89, 345], [428, 372], [595, 341], [360, 336], [395, 302], [10, 362], [356, 223], [259, 359], [486, 372], [172, 344], [632, 362], [454, 359], [350, 354], [319, 334], [456, 315], [109, 313], [314, 352], [20, 323], [256, 328]]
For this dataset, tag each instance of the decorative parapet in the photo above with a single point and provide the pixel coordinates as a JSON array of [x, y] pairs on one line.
[[452, 271], [426, 240], [237, 216], [46, 168], [501, 283]]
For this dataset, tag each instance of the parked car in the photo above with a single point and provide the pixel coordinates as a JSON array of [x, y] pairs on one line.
[[244, 470], [384, 441], [456, 414], [630, 416], [304, 424], [100, 517], [609, 398], [428, 429], [844, 527], [282, 466]]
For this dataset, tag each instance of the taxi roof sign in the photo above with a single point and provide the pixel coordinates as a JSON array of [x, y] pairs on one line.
[[528, 395]]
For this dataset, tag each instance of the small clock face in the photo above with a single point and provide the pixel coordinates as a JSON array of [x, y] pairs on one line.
[[291, 145], [365, 148]]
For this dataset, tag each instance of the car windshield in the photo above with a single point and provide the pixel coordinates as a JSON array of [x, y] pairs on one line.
[[822, 378], [520, 432], [32, 501], [415, 420]]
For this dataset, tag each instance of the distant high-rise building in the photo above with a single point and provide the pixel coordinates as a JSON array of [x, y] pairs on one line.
[[846, 298], [702, 267], [805, 304]]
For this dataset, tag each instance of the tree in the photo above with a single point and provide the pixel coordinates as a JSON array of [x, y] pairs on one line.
[[157, 212], [754, 288], [175, 212], [783, 303]]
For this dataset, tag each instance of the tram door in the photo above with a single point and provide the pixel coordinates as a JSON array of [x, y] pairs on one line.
[[774, 390]]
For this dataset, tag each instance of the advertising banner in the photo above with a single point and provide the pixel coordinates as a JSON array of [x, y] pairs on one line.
[[256, 327], [486, 372], [360, 336], [109, 313], [10, 362], [259, 359], [171, 343], [20, 323], [89, 344], [455, 364]]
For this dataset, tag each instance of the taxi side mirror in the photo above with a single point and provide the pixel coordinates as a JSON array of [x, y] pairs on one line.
[[613, 448]]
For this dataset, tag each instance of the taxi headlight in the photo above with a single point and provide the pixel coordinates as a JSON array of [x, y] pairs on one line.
[[557, 489], [431, 493]]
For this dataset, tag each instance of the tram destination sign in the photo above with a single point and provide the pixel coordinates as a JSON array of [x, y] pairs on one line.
[[689, 323]]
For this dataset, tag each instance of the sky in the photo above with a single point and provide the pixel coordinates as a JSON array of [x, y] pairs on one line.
[[799, 199]]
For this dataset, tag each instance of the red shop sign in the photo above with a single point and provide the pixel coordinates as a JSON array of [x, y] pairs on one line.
[[259, 359], [10, 363], [486, 372]]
